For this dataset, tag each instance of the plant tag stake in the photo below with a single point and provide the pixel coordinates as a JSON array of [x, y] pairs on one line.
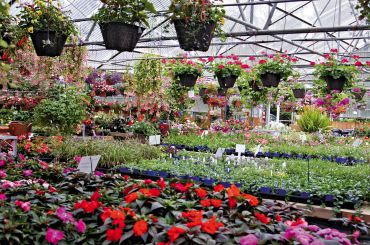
[[154, 140], [258, 150], [357, 143], [220, 152], [303, 138], [88, 164], [240, 148]]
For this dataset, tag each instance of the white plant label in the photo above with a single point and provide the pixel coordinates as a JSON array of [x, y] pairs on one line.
[[357, 143], [191, 93], [154, 140], [259, 147], [240, 148], [220, 152], [88, 164], [303, 137]]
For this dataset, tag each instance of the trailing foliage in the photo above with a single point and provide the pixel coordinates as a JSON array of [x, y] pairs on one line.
[[147, 76]]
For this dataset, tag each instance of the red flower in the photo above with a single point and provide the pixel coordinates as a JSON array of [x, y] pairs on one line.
[[201, 192], [161, 183], [358, 63], [211, 226], [106, 214], [95, 196], [148, 181], [355, 56], [312, 63], [4, 57], [233, 191], [263, 218], [140, 228], [262, 61], [210, 59], [221, 67], [368, 63], [180, 187], [174, 232], [344, 60], [334, 50], [216, 203], [252, 58], [278, 218], [232, 202], [131, 197], [253, 201], [218, 188], [88, 207], [154, 192], [326, 56], [205, 202], [194, 216], [114, 235], [244, 66]]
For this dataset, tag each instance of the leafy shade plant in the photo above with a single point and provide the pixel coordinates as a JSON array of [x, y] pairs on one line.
[[125, 11], [313, 120], [44, 16]]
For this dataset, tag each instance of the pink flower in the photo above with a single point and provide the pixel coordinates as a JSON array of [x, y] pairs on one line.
[[312, 63], [334, 50], [344, 60], [164, 61], [26, 206], [252, 58], [355, 56], [262, 61], [270, 56], [3, 174], [80, 226], [77, 159], [229, 62], [326, 56], [249, 240], [358, 63], [63, 215], [2, 163], [221, 67], [356, 90], [27, 173], [244, 66], [2, 197], [294, 60], [22, 157], [210, 59], [54, 236], [368, 63]]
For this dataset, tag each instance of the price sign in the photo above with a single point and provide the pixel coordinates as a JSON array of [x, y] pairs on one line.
[[154, 140], [88, 164]]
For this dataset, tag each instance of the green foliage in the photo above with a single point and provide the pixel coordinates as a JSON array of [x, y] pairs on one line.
[[251, 97], [147, 75], [313, 120], [143, 127], [8, 115], [223, 69], [364, 7], [276, 65], [62, 114], [42, 17], [178, 67], [177, 96], [125, 11]]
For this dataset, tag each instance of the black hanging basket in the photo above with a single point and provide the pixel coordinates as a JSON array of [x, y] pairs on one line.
[[270, 79], [120, 36], [299, 93], [254, 85], [226, 82], [187, 80], [335, 84], [194, 36], [42, 48]]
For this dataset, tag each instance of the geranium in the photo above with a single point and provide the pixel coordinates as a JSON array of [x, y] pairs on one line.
[[114, 235], [53, 236], [249, 240], [140, 228], [211, 226], [174, 232], [80, 226]]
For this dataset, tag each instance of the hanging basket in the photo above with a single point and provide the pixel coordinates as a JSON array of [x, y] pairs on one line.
[[194, 36], [270, 79], [120, 36], [299, 93], [335, 83], [222, 91], [53, 49], [187, 80], [226, 82], [253, 85]]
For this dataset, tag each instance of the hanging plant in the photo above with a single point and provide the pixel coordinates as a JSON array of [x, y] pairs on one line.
[[196, 22], [48, 27], [364, 7], [275, 68], [227, 70], [337, 74], [120, 22], [298, 89], [184, 71]]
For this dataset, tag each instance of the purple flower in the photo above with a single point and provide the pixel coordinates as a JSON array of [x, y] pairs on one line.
[[54, 236], [320, 102], [63, 215], [249, 240], [27, 173]]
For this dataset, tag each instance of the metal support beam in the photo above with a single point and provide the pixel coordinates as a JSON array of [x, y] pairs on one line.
[[268, 22]]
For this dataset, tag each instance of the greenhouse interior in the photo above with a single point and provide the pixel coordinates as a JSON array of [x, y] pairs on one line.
[[184, 122]]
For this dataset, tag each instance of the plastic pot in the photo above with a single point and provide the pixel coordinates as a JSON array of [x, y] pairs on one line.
[[226, 82], [270, 79], [20, 128], [254, 86], [335, 83], [299, 93], [187, 80], [194, 35], [55, 48], [120, 36]]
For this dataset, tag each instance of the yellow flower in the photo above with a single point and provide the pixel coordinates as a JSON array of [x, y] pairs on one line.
[[30, 29], [222, 21]]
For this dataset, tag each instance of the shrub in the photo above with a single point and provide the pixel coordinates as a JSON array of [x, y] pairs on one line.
[[313, 120]]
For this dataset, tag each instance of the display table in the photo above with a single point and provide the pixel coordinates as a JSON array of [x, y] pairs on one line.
[[14, 139]]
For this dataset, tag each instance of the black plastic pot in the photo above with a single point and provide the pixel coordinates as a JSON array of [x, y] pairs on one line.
[[120, 36], [226, 82], [55, 48], [254, 86], [222, 91], [195, 35], [299, 93], [335, 84], [270, 79], [187, 80]]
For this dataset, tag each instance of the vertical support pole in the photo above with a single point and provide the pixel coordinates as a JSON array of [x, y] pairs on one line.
[[278, 113], [268, 113]]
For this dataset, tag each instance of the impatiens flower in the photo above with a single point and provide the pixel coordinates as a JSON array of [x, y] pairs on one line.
[[27, 173], [26, 206], [201, 192], [3, 174], [77, 159], [211, 226], [140, 228], [298, 222], [131, 197], [194, 216], [253, 201], [161, 183], [63, 215], [174, 232], [262, 218], [114, 235], [232, 202], [216, 203], [148, 181], [181, 187], [88, 207], [218, 188], [54, 236], [98, 173], [233, 191], [95, 196], [249, 240], [205, 202], [80, 226], [2, 197], [2, 163]]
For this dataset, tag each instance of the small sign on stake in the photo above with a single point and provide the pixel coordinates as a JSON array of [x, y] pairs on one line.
[[240, 148], [154, 140], [88, 164], [258, 150], [220, 152]]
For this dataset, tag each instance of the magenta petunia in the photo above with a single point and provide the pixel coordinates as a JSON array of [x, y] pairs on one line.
[[53, 236]]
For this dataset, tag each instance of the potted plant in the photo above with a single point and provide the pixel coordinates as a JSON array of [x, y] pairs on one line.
[[120, 22], [249, 80], [337, 74], [274, 68], [298, 90], [185, 71], [195, 23], [228, 70], [48, 27], [207, 90]]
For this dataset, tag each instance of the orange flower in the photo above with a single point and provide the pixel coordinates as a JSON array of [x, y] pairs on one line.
[[140, 228], [201, 192], [233, 191], [114, 235], [218, 188], [194, 216], [211, 226], [232, 202], [253, 201], [116, 214], [263, 218], [174, 232], [131, 197]]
